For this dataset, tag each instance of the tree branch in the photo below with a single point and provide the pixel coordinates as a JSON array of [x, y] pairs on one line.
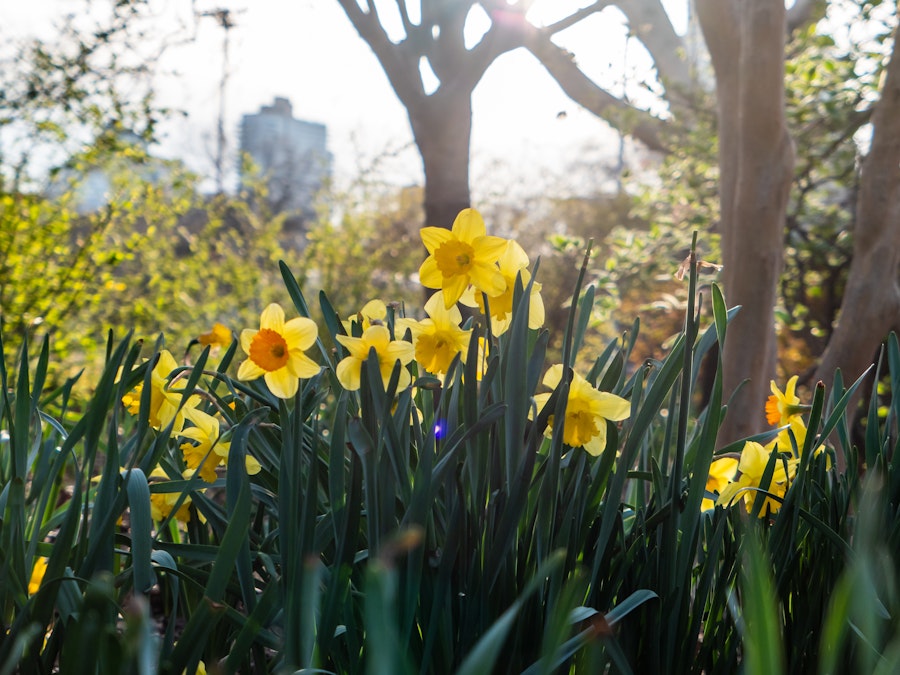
[[652, 26], [401, 70], [408, 26], [561, 65], [577, 16]]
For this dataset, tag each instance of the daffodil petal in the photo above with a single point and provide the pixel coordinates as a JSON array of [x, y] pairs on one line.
[[300, 365], [433, 237], [535, 310], [485, 277], [348, 373], [272, 317], [612, 407], [282, 383], [553, 376], [513, 258], [249, 371], [430, 274], [468, 225], [357, 348], [247, 336], [597, 444], [540, 400], [300, 333], [252, 465], [453, 288], [489, 249]]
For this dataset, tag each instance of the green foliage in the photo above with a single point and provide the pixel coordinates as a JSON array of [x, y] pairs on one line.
[[56, 94], [832, 74], [364, 245], [442, 528], [158, 256]]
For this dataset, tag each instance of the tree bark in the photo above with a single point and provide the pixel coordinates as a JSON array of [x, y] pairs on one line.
[[871, 304], [756, 158], [441, 121], [442, 126]]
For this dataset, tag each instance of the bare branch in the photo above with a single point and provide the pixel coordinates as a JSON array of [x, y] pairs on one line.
[[580, 88], [652, 26], [396, 59], [408, 26], [577, 16]]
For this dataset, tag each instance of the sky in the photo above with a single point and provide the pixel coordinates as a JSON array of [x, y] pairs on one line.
[[308, 52]]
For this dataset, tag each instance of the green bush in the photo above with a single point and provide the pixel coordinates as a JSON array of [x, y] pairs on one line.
[[386, 519]]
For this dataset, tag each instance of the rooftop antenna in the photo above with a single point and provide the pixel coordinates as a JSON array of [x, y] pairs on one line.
[[225, 18]]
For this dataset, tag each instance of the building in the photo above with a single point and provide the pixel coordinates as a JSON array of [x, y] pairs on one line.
[[290, 153]]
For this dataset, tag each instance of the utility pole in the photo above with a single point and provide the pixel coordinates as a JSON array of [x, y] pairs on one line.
[[224, 17]]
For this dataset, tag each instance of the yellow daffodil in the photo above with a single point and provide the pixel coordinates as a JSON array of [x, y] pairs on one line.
[[200, 455], [754, 458], [388, 351], [782, 407], [37, 574], [721, 471], [513, 262], [162, 503], [587, 411], [210, 451], [372, 313], [275, 351], [464, 255], [165, 400], [437, 339], [798, 429], [219, 336]]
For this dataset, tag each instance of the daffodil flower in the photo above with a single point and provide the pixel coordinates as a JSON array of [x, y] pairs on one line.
[[162, 503], [219, 336], [200, 455], [388, 351], [165, 400], [721, 471], [372, 313], [437, 339], [461, 256], [275, 351], [511, 264], [210, 450], [752, 466], [782, 407], [587, 411]]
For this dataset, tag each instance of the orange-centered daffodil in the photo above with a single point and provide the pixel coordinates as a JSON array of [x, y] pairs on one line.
[[275, 351]]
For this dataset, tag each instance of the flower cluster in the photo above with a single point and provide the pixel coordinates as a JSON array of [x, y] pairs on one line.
[[202, 450], [783, 409], [465, 265]]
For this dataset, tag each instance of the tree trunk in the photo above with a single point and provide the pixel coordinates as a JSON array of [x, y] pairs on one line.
[[871, 304], [442, 128], [756, 158]]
